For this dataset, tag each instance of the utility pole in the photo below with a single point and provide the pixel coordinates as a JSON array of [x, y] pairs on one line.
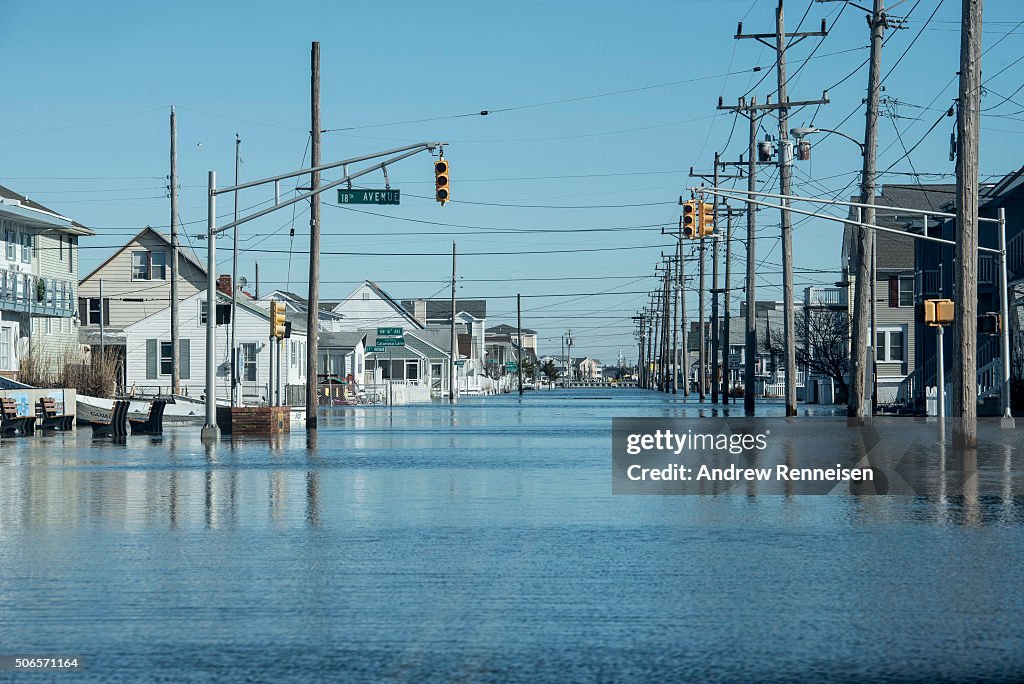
[[313, 304], [234, 283], [658, 325], [702, 351], [785, 181], [714, 293], [666, 353], [674, 290], [681, 283], [965, 281], [175, 324], [639, 318], [452, 375], [727, 370], [864, 245], [519, 341]]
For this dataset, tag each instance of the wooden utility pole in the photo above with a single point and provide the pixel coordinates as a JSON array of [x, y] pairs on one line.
[[519, 340], [175, 323], [452, 375], [639, 318], [714, 292], [864, 245], [965, 280], [785, 181], [674, 290], [656, 340], [313, 305], [665, 354]]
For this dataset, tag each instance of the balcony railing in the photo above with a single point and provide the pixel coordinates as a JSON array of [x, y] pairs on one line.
[[37, 295], [826, 297]]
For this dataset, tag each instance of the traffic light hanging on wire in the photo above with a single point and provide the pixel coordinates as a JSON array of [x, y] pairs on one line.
[[278, 326], [691, 227], [706, 221], [441, 191]]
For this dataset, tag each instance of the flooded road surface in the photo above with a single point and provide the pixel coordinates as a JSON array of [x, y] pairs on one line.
[[481, 542]]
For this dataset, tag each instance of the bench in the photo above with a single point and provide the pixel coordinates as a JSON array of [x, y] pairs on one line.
[[154, 424], [51, 420], [13, 424], [118, 425]]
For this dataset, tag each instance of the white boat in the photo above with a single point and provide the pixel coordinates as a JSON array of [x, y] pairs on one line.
[[180, 410]]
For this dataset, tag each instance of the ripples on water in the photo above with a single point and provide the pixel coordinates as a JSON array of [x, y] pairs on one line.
[[482, 543]]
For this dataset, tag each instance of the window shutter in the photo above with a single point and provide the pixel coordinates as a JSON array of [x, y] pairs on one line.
[[894, 292], [83, 311], [106, 311], [184, 360], [151, 359]]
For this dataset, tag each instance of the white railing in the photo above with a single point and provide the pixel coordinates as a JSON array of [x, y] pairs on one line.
[[41, 296]]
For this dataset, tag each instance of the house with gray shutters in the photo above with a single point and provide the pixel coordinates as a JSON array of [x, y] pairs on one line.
[[136, 283], [38, 284]]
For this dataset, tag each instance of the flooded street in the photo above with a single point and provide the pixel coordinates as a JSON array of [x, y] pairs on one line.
[[482, 542]]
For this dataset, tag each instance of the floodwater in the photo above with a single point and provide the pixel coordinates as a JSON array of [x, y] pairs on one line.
[[481, 542]]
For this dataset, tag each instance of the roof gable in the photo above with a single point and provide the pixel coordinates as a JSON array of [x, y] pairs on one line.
[[182, 253]]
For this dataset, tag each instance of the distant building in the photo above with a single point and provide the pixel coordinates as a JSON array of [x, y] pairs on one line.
[[529, 340]]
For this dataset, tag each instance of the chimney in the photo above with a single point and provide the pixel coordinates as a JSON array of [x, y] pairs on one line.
[[224, 284], [419, 310]]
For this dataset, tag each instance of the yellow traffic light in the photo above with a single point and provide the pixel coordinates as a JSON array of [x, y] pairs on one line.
[[938, 311], [277, 322], [707, 219], [691, 228], [441, 191]]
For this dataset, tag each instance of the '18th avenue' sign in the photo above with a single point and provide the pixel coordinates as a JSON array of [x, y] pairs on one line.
[[368, 196]]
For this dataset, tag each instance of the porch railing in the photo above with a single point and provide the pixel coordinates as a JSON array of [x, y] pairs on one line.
[[38, 295]]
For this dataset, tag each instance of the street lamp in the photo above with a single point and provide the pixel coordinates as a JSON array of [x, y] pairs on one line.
[[802, 132]]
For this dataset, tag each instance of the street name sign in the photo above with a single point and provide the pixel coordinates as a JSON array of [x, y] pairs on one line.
[[391, 342], [460, 362], [369, 196], [511, 366], [389, 332], [373, 348]]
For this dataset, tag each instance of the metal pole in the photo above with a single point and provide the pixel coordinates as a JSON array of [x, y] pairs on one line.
[[702, 352], [1004, 328], [715, 342], [452, 377], [750, 341], [103, 344], [234, 281], [727, 371], [313, 303], [519, 335], [674, 290], [210, 430], [941, 389], [175, 326], [681, 280]]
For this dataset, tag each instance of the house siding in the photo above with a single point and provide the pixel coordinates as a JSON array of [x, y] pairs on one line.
[[251, 328], [116, 275]]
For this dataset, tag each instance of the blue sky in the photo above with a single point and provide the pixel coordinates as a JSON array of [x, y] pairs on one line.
[[84, 130]]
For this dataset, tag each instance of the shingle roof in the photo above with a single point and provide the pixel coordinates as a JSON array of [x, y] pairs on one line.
[[340, 340], [505, 329], [7, 193], [441, 309]]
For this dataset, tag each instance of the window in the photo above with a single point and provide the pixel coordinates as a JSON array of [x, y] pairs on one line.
[[166, 360], [6, 356], [11, 241], [366, 296], [158, 265], [71, 254], [292, 359], [889, 345], [248, 362], [26, 247], [140, 265], [907, 291], [412, 370], [202, 313], [94, 311]]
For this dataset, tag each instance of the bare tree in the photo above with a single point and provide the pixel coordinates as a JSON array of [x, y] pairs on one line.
[[823, 337]]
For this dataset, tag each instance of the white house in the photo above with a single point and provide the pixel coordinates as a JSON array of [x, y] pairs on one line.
[[38, 283], [369, 306], [148, 345]]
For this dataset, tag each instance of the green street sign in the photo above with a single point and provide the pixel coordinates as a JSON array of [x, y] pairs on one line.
[[372, 348], [391, 342], [368, 196], [460, 363], [386, 332], [511, 366]]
